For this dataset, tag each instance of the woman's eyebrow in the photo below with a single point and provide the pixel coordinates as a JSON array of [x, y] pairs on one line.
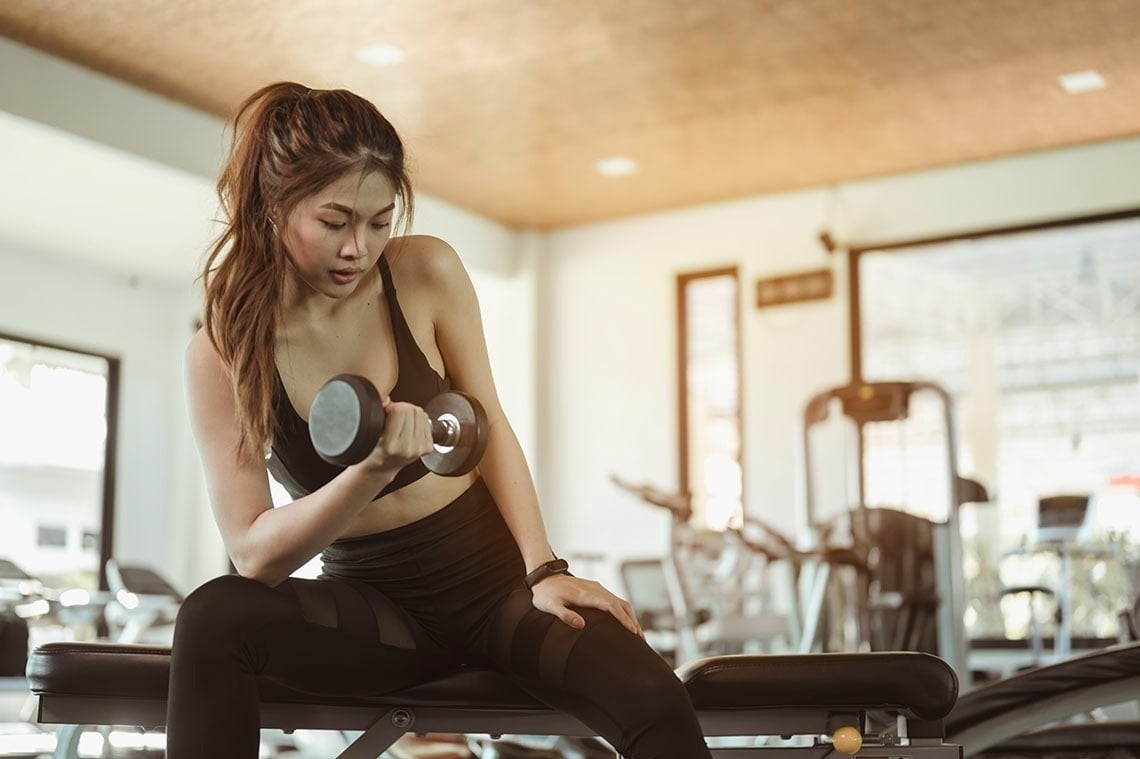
[[334, 206]]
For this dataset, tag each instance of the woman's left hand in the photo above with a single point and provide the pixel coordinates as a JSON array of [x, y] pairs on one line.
[[556, 594]]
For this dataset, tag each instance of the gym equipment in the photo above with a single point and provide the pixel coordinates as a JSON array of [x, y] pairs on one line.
[[19, 592], [346, 421], [903, 591], [538, 747], [901, 704], [1001, 718], [1059, 522], [145, 604], [1036, 638], [1087, 740], [745, 695], [847, 740], [74, 611], [709, 591]]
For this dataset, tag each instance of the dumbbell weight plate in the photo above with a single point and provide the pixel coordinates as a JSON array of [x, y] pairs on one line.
[[466, 413], [346, 419]]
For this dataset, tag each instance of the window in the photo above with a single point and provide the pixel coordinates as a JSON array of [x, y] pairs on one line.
[[709, 385], [57, 421], [1036, 335]]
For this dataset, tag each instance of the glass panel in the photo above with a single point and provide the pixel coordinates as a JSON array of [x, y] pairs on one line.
[[905, 462], [53, 436], [711, 398], [1037, 337]]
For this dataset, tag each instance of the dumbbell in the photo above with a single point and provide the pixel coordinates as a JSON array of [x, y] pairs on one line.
[[346, 421]]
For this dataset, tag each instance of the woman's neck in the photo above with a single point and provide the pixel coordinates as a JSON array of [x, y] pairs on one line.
[[301, 302]]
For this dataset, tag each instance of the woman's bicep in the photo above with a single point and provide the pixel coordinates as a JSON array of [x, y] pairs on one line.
[[461, 339], [238, 488]]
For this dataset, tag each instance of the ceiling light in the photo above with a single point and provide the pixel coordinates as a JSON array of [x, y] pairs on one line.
[[1081, 81], [380, 54], [616, 166]]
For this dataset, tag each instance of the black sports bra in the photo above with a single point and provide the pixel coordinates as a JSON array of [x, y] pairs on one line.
[[294, 462]]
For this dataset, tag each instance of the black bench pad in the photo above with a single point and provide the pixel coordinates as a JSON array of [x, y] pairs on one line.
[[1112, 664], [1085, 740], [914, 684]]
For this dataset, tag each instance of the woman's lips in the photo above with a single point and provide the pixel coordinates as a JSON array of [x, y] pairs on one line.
[[345, 276]]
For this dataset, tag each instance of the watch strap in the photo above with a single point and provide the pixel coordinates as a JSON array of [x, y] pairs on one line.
[[549, 569]]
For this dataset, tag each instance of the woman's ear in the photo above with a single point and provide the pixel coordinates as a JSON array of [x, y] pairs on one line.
[[274, 217]]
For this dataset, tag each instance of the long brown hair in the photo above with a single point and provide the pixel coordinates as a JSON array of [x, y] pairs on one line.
[[288, 142]]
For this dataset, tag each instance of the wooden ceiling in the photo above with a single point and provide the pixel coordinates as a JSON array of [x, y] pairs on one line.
[[506, 105]]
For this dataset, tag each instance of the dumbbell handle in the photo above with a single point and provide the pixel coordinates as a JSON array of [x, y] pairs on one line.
[[445, 431]]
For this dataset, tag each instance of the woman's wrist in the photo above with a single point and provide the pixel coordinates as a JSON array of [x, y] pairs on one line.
[[548, 569], [369, 476], [537, 556], [379, 466]]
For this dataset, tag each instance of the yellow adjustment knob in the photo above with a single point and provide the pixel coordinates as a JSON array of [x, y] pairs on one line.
[[847, 740]]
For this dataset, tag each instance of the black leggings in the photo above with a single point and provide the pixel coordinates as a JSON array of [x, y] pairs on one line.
[[402, 607]]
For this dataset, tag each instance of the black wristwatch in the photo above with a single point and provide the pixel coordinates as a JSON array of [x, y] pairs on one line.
[[550, 568]]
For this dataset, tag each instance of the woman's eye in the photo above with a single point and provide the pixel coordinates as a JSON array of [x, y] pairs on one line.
[[380, 226], [333, 224]]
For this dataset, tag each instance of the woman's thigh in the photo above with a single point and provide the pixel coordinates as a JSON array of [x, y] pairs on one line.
[[325, 635]]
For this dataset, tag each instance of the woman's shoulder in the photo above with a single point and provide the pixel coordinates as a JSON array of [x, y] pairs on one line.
[[422, 259], [201, 354], [200, 346]]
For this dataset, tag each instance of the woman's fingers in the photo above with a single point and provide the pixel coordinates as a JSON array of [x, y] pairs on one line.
[[624, 614], [627, 609], [571, 617], [558, 595], [407, 431]]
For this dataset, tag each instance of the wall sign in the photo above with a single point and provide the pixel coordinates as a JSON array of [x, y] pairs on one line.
[[794, 288]]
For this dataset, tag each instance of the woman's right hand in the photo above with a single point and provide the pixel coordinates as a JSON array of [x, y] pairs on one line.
[[406, 436]]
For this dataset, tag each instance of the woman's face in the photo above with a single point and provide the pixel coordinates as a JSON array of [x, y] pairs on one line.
[[336, 235]]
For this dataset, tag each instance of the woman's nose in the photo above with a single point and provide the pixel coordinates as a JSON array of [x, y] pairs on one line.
[[356, 246]]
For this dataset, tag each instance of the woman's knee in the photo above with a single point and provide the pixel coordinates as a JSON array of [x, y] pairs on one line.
[[222, 608], [629, 665], [630, 687]]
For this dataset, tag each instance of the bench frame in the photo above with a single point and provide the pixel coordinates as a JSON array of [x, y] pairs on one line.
[[383, 726]]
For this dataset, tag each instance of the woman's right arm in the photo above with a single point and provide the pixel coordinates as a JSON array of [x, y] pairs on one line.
[[265, 543]]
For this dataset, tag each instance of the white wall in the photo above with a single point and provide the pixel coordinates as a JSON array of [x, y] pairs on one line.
[[145, 324], [608, 357], [608, 390]]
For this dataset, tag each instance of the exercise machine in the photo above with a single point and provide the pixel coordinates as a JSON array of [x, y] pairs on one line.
[[709, 590], [908, 568], [144, 603]]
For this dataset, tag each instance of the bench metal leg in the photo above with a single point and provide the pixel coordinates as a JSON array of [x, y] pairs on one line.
[[380, 735], [67, 741]]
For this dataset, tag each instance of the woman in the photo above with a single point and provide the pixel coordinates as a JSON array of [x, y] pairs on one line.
[[420, 572]]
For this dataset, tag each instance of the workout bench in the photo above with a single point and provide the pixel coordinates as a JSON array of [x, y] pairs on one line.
[[82, 684], [1023, 715]]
